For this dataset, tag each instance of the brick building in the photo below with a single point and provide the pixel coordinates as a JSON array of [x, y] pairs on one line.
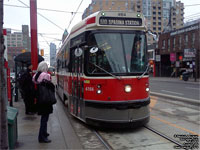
[[17, 42], [179, 51]]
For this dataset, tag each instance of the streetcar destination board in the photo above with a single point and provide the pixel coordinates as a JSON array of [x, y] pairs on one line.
[[118, 21]]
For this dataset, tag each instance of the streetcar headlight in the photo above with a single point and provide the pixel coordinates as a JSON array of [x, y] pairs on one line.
[[103, 13], [138, 15], [147, 89], [99, 91], [128, 88]]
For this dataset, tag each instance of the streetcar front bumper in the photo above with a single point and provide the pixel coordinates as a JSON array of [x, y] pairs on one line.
[[123, 112]]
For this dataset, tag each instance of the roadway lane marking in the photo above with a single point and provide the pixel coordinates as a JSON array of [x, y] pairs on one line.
[[173, 125], [192, 88], [172, 92], [153, 101]]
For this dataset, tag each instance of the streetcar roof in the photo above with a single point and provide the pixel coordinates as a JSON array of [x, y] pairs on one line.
[[118, 18]]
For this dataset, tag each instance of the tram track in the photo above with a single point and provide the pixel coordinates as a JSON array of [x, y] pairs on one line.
[[163, 135], [103, 141]]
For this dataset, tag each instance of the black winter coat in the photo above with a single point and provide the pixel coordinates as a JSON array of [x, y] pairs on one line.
[[41, 108], [44, 109]]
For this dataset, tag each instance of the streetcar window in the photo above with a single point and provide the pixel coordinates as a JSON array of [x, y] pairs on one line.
[[135, 51], [116, 53]]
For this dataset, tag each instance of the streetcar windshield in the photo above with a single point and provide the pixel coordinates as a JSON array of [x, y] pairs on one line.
[[117, 53]]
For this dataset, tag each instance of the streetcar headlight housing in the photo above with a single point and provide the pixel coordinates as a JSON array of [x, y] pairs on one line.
[[99, 91], [147, 89], [128, 88]]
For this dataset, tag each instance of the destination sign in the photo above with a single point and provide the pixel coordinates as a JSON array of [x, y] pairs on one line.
[[118, 21]]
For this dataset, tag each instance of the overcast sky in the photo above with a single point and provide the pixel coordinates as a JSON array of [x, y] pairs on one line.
[[15, 17]]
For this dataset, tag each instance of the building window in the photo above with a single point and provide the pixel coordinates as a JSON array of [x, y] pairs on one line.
[[163, 44], [193, 39], [106, 2], [113, 3], [168, 45], [180, 41], [186, 40], [174, 43]]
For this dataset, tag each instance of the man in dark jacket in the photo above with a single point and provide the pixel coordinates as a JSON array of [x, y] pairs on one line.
[[27, 90]]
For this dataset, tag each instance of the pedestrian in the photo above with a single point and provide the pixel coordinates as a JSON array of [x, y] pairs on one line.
[[27, 90], [43, 110]]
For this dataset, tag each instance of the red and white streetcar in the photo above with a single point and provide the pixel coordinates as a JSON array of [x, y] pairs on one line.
[[102, 70]]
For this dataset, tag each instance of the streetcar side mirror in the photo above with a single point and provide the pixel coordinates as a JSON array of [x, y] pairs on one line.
[[155, 36], [78, 52], [94, 49]]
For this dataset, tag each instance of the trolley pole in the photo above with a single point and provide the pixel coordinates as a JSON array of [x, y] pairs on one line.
[[33, 23]]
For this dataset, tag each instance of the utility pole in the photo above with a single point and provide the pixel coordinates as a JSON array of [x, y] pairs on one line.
[[34, 42], [3, 97]]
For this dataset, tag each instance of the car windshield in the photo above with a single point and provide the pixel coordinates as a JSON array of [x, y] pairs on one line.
[[117, 53]]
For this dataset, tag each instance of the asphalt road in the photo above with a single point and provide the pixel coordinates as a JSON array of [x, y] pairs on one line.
[[175, 88]]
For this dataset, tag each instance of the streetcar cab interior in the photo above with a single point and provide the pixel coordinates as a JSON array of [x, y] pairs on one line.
[[118, 53]]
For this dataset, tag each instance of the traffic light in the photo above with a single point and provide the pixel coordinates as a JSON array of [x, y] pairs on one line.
[[23, 50], [42, 52]]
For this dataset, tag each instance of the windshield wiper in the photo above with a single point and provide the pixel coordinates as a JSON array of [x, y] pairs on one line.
[[147, 68], [106, 71]]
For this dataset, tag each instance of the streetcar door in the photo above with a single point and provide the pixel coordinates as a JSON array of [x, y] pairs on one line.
[[77, 71]]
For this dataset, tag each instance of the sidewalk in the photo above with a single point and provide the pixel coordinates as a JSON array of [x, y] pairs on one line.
[[62, 135], [175, 79]]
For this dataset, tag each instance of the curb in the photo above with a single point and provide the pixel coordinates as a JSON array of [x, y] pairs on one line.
[[173, 80], [182, 99]]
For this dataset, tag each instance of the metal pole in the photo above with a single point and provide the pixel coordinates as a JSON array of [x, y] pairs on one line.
[[3, 97], [33, 23]]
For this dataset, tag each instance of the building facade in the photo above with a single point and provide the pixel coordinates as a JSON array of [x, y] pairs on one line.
[[159, 13], [52, 54], [17, 42], [179, 51], [26, 38]]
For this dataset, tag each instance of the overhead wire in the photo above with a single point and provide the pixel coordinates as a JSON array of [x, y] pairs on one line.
[[73, 15], [43, 16], [45, 9]]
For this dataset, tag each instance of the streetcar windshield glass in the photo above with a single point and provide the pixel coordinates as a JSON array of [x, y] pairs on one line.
[[117, 53]]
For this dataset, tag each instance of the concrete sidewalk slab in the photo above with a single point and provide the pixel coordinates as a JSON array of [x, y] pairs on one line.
[[170, 79], [62, 135]]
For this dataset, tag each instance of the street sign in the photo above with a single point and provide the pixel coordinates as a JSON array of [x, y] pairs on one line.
[[173, 57], [189, 53], [157, 58]]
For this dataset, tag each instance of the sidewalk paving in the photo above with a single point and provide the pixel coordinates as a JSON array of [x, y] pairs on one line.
[[176, 79], [62, 135]]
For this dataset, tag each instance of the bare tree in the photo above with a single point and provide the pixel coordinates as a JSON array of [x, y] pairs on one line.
[[3, 97]]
